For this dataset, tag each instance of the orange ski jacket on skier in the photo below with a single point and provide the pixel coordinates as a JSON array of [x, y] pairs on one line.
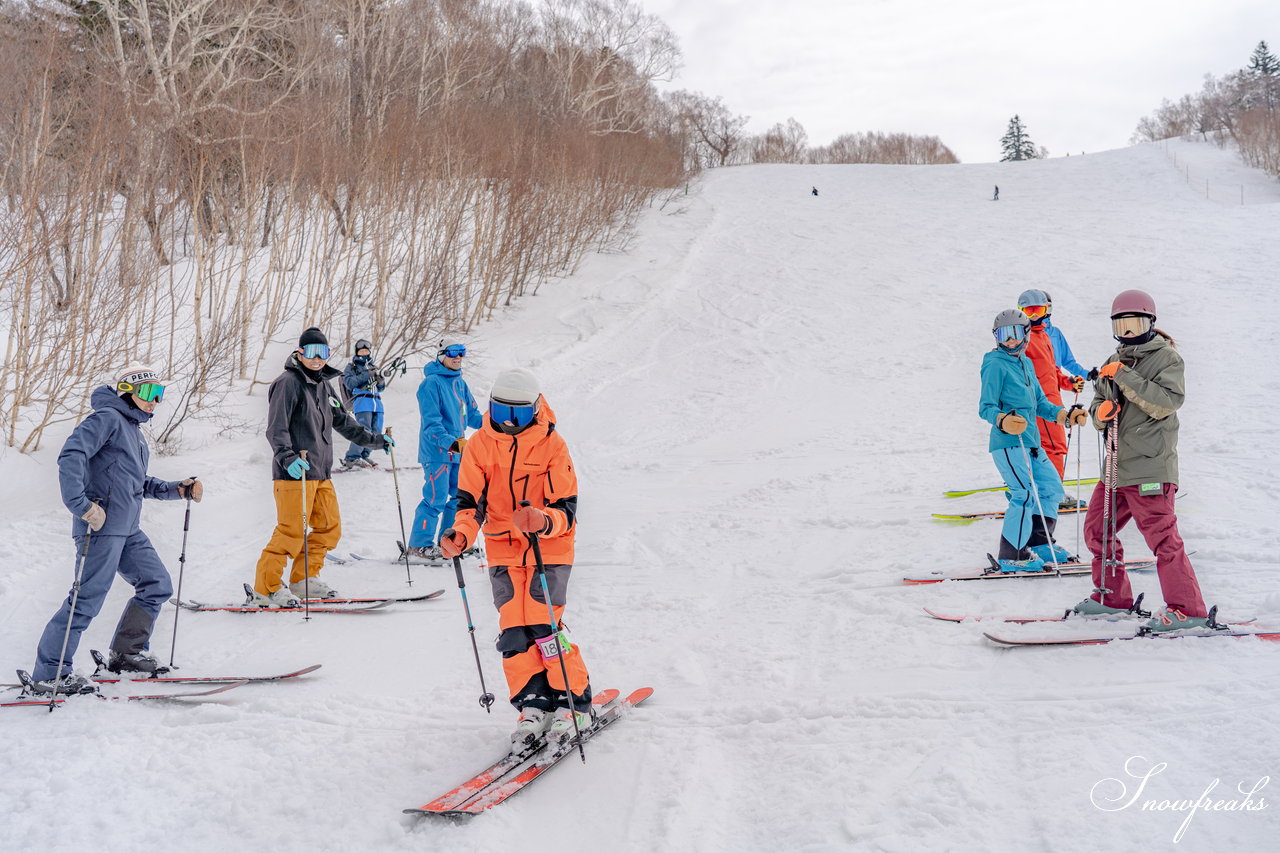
[[1052, 379], [498, 471]]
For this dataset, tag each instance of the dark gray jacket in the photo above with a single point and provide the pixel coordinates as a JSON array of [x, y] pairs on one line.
[[1150, 389], [301, 412]]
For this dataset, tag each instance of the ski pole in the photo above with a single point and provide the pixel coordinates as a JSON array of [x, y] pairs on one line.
[[306, 561], [66, 635], [1044, 522], [1079, 514], [555, 633], [395, 478], [486, 698], [182, 565]]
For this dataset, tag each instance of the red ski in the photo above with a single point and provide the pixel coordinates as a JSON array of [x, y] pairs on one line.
[[502, 781]]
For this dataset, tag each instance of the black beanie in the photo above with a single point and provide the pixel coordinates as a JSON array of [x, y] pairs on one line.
[[312, 336]]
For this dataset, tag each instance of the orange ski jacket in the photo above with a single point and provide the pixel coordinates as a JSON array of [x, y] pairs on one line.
[[498, 471], [1052, 379]]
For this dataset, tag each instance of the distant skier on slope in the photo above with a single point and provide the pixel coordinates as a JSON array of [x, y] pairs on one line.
[[996, 197], [1011, 396], [814, 191], [1034, 303], [302, 409], [102, 472], [1136, 399], [447, 408], [365, 385], [518, 456]]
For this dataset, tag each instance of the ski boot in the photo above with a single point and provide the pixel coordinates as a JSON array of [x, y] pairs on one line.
[[143, 662], [314, 588], [1032, 563], [428, 553], [1069, 502], [68, 685], [281, 598], [1170, 621], [561, 730], [1092, 609], [532, 723], [1053, 553]]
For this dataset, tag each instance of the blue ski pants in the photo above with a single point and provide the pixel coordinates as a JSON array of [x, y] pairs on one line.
[[372, 420], [1027, 473], [439, 503], [135, 560]]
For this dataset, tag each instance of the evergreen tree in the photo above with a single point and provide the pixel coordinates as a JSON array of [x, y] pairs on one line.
[[1264, 68], [1016, 144], [1263, 62]]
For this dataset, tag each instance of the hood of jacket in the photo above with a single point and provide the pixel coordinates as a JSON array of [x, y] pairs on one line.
[[105, 398]]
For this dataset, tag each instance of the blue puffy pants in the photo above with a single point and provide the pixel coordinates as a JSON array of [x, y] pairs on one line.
[[372, 420], [438, 506], [1027, 473], [133, 558]]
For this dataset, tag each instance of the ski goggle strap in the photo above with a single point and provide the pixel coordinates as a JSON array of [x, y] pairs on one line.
[[454, 351], [1130, 326], [149, 392], [314, 350], [1005, 333], [516, 414], [1035, 312]]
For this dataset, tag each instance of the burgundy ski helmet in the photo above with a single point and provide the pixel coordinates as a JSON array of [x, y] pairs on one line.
[[1134, 302]]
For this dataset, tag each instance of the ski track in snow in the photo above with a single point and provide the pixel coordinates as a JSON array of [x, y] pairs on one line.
[[765, 398]]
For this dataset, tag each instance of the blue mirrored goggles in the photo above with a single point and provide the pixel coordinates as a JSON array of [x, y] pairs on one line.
[[1005, 333], [505, 413], [454, 351], [314, 350]]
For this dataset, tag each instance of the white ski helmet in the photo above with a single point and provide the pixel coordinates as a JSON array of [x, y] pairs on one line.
[[449, 341], [133, 376], [515, 387]]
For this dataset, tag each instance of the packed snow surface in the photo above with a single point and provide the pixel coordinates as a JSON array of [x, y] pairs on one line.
[[765, 397]]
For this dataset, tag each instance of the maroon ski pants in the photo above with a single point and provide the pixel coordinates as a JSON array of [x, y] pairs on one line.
[[1154, 514]]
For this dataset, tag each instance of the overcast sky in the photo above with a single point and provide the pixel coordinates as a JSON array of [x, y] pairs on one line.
[[1080, 73]]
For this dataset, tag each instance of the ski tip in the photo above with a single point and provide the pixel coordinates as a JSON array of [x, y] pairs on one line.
[[942, 616], [919, 581]]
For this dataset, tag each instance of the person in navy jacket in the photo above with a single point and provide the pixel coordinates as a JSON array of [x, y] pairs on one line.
[[102, 472]]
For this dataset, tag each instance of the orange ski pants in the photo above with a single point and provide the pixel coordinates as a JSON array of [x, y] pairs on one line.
[[286, 540], [517, 593]]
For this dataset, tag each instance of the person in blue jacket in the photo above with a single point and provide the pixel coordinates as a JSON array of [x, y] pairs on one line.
[[1062, 350], [447, 408], [365, 384], [102, 472], [1011, 398]]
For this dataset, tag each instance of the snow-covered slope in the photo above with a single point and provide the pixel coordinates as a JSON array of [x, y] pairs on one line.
[[765, 398]]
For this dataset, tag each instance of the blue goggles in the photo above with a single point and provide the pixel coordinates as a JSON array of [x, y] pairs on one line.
[[454, 351], [505, 413], [1005, 333], [314, 350]]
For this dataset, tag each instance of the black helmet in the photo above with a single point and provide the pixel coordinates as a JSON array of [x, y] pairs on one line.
[[362, 344]]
